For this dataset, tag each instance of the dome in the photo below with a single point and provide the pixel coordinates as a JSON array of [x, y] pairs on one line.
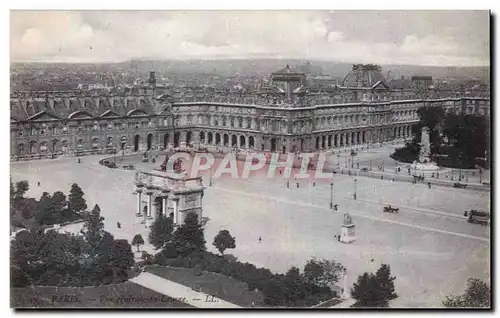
[[367, 76]]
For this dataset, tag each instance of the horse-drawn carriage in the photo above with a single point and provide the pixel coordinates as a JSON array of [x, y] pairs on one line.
[[459, 185], [478, 216], [390, 209]]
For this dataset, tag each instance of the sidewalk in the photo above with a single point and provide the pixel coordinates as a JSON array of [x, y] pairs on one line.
[[401, 177], [180, 292], [345, 304]]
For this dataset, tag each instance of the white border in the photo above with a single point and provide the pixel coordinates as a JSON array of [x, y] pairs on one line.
[[184, 4]]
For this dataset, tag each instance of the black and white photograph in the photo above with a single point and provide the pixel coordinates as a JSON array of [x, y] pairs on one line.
[[250, 159]]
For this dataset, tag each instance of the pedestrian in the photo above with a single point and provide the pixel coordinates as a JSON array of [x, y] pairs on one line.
[[288, 184], [297, 184], [260, 239], [338, 237], [38, 183], [314, 184], [392, 179], [429, 184], [335, 207], [118, 225], [79, 161]]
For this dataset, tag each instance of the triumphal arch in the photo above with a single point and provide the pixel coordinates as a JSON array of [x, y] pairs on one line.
[[160, 193]]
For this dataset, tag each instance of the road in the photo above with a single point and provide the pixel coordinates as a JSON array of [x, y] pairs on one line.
[[430, 247]]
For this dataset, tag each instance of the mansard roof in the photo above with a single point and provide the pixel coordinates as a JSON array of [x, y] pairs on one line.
[[84, 106]]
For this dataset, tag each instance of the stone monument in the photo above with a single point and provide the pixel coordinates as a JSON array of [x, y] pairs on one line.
[[424, 162], [159, 194], [347, 231]]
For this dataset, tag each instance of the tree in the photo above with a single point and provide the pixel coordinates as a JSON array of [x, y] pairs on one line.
[[477, 295], [294, 283], [12, 190], [27, 207], [274, 291], [93, 229], [21, 188], [386, 282], [467, 137], [323, 273], [161, 231], [137, 241], [45, 210], [365, 292], [374, 290], [189, 237], [59, 201], [223, 241], [76, 202], [123, 258]]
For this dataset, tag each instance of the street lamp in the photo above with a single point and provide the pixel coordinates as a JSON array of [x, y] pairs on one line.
[[210, 175], [355, 186], [331, 195]]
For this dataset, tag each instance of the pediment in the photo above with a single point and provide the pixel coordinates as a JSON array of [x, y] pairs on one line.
[[80, 115], [43, 116], [137, 113], [109, 114]]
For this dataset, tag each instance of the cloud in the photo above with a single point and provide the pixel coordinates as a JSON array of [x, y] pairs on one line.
[[414, 37]]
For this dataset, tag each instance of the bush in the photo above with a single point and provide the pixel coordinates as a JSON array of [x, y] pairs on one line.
[[147, 258], [408, 154], [170, 251]]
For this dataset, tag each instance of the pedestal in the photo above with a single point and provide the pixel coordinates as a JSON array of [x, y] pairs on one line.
[[347, 233]]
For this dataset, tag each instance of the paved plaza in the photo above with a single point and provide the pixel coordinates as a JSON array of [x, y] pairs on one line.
[[431, 248]]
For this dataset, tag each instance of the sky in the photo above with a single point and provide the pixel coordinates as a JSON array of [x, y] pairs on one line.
[[434, 38]]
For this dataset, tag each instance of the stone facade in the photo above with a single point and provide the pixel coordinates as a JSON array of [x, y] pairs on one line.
[[55, 124]]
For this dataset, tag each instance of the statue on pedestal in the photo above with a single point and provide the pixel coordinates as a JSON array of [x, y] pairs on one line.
[[425, 146], [347, 230], [424, 162], [347, 219]]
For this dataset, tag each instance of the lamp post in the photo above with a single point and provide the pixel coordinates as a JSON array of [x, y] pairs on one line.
[[210, 175], [331, 195], [355, 186]]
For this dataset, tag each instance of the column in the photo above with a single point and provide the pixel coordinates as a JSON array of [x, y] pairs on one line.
[[149, 204], [139, 197], [200, 212], [164, 204], [174, 204]]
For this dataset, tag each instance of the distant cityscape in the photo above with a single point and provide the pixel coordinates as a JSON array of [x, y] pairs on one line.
[[229, 76]]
